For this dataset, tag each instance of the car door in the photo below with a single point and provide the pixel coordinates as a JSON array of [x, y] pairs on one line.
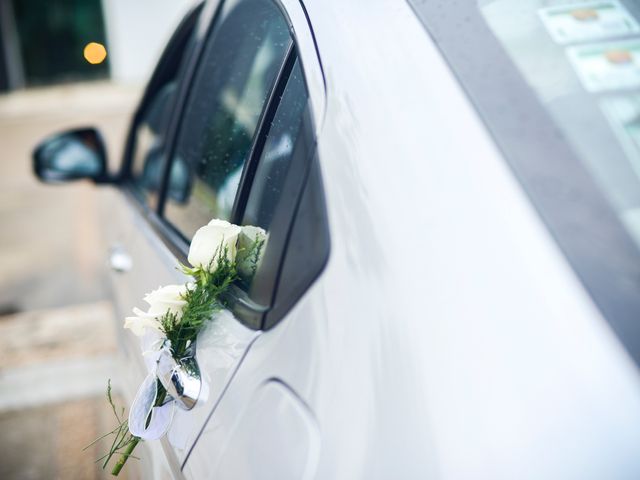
[[248, 141], [220, 115]]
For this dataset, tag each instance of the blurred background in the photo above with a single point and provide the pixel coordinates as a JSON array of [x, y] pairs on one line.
[[63, 64]]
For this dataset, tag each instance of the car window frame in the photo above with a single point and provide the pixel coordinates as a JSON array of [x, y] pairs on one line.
[[249, 310], [249, 313]]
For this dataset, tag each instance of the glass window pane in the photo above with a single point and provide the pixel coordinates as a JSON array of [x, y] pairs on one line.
[[275, 160], [238, 71], [149, 132], [148, 141]]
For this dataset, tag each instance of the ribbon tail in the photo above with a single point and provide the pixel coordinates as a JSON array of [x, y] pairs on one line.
[[143, 408]]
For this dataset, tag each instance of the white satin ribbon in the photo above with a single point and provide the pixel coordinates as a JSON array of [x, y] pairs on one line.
[[143, 407]]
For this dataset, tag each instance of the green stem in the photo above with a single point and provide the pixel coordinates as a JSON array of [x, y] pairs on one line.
[[124, 457], [162, 394]]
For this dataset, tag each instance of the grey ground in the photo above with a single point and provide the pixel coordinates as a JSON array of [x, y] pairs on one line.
[[57, 331]]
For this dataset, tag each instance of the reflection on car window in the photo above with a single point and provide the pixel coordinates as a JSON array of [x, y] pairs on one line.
[[152, 122], [265, 195], [149, 140], [239, 69], [583, 61]]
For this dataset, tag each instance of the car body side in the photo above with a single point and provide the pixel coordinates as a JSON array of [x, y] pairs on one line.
[[447, 337]]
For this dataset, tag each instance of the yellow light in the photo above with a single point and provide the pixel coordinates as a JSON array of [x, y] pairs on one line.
[[95, 53]]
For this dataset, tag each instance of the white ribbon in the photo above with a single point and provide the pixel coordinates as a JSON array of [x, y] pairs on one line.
[[145, 419], [143, 408]]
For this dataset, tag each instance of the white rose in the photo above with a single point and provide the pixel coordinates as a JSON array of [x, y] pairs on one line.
[[169, 298], [251, 245], [141, 322], [163, 300], [210, 240]]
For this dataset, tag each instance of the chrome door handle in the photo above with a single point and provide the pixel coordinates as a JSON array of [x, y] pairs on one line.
[[119, 260]]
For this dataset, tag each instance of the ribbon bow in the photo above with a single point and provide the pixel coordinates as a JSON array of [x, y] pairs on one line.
[[146, 420]]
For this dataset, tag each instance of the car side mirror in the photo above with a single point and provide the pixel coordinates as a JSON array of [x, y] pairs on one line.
[[72, 155]]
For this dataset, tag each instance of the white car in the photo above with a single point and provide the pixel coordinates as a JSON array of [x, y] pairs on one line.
[[451, 287]]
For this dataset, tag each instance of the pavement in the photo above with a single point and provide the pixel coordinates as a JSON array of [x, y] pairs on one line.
[[57, 327]]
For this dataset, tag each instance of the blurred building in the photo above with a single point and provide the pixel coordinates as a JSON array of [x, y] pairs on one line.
[[44, 42]]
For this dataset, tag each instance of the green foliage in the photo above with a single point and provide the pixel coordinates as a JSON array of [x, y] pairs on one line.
[[122, 439], [253, 255], [203, 297]]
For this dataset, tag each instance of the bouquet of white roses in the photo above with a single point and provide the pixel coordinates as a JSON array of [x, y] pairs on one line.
[[220, 252]]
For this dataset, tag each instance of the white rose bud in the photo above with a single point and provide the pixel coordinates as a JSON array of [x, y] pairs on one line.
[[209, 241], [163, 300]]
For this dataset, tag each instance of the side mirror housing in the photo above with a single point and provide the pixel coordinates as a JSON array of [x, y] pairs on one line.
[[72, 155]]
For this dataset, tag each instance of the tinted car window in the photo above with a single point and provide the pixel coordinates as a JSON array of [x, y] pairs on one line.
[[307, 251], [283, 208], [148, 144], [238, 71], [265, 196], [148, 138]]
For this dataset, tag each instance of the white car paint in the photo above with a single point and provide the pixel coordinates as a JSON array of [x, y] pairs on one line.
[[447, 336]]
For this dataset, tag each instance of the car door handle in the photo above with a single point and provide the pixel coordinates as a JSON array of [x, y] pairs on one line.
[[119, 259]]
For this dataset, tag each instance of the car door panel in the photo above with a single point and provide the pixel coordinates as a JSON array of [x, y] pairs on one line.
[[220, 349], [263, 423], [275, 437]]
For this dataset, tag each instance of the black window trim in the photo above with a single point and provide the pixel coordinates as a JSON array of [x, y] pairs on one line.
[[279, 305], [282, 223], [566, 197]]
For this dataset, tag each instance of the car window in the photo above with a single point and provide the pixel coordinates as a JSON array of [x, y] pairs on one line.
[[146, 149], [281, 209], [276, 155], [148, 146], [238, 70], [265, 196], [307, 249]]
